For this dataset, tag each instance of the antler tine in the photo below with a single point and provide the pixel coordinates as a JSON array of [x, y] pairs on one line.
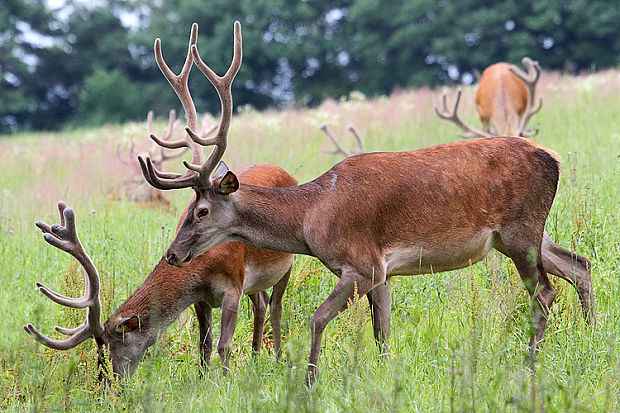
[[149, 128], [331, 137], [360, 146], [222, 85], [165, 157], [119, 157], [206, 130], [173, 123], [179, 84], [165, 180], [451, 115], [529, 79], [164, 141], [81, 334], [64, 237], [132, 146]]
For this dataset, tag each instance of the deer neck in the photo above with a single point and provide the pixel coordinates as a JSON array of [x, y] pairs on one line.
[[273, 218], [162, 297]]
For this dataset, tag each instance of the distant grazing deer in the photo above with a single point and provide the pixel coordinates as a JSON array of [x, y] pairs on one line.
[[505, 101], [134, 187], [217, 278], [339, 149], [377, 215]]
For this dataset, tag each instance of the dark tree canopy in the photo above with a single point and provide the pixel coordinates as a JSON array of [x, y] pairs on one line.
[[87, 64]]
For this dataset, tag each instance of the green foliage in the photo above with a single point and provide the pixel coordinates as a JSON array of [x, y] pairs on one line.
[[17, 81], [110, 97], [294, 52]]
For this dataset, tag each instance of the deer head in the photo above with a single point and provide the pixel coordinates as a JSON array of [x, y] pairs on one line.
[[125, 349]]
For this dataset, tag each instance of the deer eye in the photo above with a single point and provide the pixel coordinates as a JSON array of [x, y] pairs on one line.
[[202, 212]]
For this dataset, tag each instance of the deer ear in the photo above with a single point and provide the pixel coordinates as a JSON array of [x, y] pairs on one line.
[[228, 184], [220, 171], [127, 324]]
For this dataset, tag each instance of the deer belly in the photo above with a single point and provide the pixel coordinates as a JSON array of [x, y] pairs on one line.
[[439, 256], [266, 276]]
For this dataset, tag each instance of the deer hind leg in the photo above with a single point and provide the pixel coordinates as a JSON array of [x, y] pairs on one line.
[[205, 343], [380, 307], [259, 307], [525, 252], [350, 281], [275, 312], [575, 269]]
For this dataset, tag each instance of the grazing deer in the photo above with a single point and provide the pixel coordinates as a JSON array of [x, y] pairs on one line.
[[505, 101], [217, 278], [376, 215], [134, 187], [339, 149]]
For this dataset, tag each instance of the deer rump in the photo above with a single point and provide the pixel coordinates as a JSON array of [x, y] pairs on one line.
[[501, 100]]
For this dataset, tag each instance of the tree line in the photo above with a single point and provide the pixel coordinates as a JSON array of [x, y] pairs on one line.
[[80, 64]]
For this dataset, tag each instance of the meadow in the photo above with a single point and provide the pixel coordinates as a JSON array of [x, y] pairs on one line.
[[459, 339]]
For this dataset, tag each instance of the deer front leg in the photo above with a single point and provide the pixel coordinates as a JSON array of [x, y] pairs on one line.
[[275, 312], [380, 306], [230, 311], [259, 307], [335, 303], [205, 343]]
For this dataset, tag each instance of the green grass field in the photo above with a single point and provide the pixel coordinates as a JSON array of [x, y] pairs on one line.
[[459, 339]]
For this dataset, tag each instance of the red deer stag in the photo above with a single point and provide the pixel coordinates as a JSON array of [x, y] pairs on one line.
[[505, 101], [214, 279], [339, 150], [377, 215]]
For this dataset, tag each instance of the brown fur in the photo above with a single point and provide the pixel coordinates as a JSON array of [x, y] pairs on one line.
[[501, 100]]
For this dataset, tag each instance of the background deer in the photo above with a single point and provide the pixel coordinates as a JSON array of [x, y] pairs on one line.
[[339, 149], [134, 187], [217, 278], [377, 215], [505, 101]]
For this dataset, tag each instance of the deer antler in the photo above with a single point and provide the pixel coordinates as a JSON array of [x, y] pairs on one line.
[[451, 115], [173, 124], [198, 173], [64, 237], [132, 153], [339, 149], [530, 79]]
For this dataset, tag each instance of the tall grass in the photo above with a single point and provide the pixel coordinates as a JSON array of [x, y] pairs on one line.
[[459, 339]]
